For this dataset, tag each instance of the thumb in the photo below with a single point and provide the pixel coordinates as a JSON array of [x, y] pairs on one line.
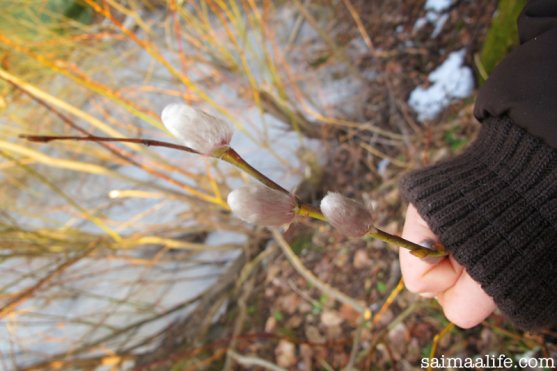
[[416, 230], [422, 275]]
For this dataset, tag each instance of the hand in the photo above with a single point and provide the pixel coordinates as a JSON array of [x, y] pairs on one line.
[[463, 300]]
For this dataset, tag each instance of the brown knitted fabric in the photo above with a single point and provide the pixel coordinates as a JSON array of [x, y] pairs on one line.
[[495, 209]]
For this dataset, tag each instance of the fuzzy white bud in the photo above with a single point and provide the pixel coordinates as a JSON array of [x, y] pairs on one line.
[[262, 206], [349, 217], [196, 129]]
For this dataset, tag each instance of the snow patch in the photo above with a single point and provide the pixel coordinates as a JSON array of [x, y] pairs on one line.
[[438, 24], [451, 80], [435, 14], [438, 5]]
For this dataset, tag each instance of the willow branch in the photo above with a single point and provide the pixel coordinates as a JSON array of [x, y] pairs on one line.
[[93, 138]]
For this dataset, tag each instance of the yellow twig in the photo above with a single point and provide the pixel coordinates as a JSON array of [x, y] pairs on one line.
[[71, 71], [358, 20], [102, 225], [27, 293], [388, 302], [436, 341]]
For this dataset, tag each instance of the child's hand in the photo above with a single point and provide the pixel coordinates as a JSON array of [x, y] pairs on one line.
[[463, 300]]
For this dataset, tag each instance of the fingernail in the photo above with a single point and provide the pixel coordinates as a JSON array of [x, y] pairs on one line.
[[428, 244]]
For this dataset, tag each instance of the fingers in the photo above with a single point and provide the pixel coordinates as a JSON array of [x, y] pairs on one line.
[[463, 300], [466, 304], [426, 277]]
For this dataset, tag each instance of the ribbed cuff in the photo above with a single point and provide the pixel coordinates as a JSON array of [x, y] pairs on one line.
[[495, 209]]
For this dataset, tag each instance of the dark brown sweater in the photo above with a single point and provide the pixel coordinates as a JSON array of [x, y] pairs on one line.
[[495, 206]]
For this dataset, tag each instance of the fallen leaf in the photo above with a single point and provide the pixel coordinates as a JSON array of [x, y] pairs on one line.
[[290, 303], [331, 318], [304, 307], [285, 353], [294, 322], [272, 271], [313, 335], [270, 324], [341, 259], [349, 314], [333, 332], [399, 337], [361, 260]]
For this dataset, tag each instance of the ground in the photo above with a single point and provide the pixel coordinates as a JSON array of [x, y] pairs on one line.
[[274, 314]]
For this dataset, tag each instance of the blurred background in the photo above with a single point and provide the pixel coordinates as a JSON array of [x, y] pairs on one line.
[[120, 256]]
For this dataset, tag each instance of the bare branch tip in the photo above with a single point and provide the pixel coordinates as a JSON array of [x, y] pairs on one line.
[[33, 138]]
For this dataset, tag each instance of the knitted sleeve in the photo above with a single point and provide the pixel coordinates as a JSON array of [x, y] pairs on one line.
[[495, 209]]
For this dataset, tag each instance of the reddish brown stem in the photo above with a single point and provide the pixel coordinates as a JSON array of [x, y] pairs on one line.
[[92, 138], [119, 152]]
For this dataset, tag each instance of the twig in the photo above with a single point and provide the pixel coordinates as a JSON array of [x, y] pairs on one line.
[[93, 138], [401, 317], [161, 358], [359, 23], [355, 346], [415, 249], [227, 154], [296, 29], [86, 347], [94, 219], [245, 275], [388, 301], [91, 363], [304, 272], [205, 363], [376, 318], [436, 341], [26, 294], [29, 91], [148, 142], [240, 320], [233, 158], [374, 151], [250, 361]]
